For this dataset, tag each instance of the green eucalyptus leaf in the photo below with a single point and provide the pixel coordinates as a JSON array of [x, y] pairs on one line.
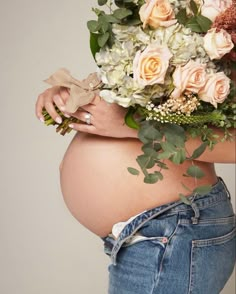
[[94, 47], [195, 171], [157, 146], [105, 27], [151, 179], [125, 3], [164, 155], [197, 152], [148, 132], [160, 175], [194, 7], [174, 134], [122, 13], [149, 151], [204, 23], [168, 147], [178, 157], [102, 39], [202, 190], [145, 162], [93, 26], [184, 199], [109, 18], [162, 165], [102, 2], [133, 22], [133, 171], [194, 25], [182, 16]]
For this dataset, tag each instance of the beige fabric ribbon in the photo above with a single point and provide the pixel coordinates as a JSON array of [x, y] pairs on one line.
[[81, 92]]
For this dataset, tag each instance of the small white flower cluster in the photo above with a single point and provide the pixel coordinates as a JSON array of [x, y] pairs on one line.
[[184, 104]]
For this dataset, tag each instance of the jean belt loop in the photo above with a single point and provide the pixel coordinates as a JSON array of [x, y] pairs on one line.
[[196, 211], [227, 191]]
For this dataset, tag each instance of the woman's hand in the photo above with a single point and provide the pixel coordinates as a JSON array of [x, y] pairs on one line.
[[54, 95], [105, 120]]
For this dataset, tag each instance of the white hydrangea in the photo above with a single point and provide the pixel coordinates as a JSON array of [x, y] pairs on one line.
[[116, 63]]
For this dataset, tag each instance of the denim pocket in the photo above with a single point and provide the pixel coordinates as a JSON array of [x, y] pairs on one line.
[[213, 259], [159, 230]]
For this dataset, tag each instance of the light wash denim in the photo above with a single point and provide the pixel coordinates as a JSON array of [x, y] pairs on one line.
[[176, 248]]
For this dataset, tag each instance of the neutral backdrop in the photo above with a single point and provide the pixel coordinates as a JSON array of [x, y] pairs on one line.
[[43, 249]]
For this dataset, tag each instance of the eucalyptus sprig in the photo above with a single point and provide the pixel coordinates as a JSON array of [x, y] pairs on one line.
[[196, 22], [120, 11], [163, 142]]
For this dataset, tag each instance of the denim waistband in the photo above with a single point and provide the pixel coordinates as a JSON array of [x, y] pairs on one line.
[[218, 192]]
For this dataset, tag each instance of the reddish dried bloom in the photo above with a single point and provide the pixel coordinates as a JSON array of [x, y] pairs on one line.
[[227, 21]]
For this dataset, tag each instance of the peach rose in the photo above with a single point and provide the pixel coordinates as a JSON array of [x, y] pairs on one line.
[[216, 89], [217, 44], [150, 66], [190, 77], [212, 8], [156, 13]]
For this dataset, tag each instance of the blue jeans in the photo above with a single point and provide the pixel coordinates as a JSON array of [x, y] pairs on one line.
[[176, 248]]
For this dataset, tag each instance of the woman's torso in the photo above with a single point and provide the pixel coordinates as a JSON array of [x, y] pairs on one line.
[[99, 191]]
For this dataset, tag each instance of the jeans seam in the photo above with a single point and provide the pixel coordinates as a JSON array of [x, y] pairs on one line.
[[191, 269], [157, 278]]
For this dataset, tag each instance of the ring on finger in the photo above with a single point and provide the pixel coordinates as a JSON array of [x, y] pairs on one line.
[[88, 118]]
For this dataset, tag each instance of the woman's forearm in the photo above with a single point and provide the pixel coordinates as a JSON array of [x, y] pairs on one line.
[[223, 152]]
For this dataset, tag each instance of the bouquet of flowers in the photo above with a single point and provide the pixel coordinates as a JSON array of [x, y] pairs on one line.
[[172, 65]]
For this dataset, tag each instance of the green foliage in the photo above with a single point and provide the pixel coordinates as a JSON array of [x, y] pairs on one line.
[[196, 22], [133, 171], [126, 13], [130, 120], [195, 172], [184, 199], [202, 190], [102, 2], [199, 151]]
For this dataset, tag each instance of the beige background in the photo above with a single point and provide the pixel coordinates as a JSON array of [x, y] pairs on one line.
[[43, 250]]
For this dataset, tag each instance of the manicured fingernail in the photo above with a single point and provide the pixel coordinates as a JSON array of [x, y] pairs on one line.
[[58, 120], [41, 119], [66, 115], [71, 126], [62, 108]]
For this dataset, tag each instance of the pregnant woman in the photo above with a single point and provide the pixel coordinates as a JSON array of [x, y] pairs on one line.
[[157, 243]]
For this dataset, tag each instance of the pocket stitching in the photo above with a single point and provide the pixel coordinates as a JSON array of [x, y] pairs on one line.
[[214, 241], [210, 221], [207, 242]]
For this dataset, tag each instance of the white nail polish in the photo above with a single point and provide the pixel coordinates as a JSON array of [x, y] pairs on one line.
[[67, 115], [41, 119], [58, 120], [71, 126]]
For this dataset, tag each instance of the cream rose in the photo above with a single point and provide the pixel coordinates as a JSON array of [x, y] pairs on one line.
[[216, 89], [156, 13], [190, 77], [150, 66], [217, 44], [212, 8]]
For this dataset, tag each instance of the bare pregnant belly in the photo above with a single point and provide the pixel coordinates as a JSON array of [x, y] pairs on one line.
[[99, 191]]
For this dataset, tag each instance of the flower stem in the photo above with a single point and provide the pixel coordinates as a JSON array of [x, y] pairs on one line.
[[62, 128]]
